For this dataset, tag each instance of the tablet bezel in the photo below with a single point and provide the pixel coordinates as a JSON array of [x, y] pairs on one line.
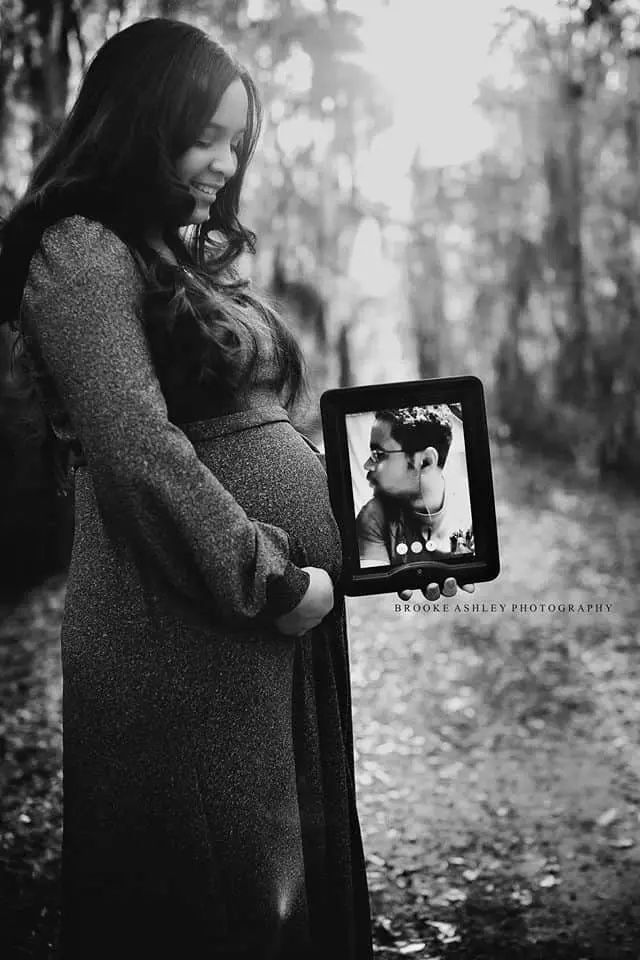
[[481, 566]]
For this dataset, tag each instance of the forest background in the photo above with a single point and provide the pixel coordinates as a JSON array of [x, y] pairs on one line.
[[408, 231]]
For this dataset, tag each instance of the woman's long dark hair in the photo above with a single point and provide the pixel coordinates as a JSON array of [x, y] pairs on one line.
[[146, 98]]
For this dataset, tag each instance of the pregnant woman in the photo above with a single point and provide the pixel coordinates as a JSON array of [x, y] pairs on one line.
[[209, 805]]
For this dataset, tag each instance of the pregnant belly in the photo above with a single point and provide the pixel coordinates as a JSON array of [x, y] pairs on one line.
[[277, 478]]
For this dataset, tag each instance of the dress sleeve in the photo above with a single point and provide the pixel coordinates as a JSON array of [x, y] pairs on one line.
[[81, 305]]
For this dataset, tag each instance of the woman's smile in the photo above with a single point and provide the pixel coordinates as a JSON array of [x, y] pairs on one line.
[[205, 188]]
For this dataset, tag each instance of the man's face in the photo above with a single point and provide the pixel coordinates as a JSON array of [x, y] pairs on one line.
[[392, 474]]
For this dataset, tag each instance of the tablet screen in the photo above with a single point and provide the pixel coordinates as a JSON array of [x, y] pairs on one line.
[[410, 485]]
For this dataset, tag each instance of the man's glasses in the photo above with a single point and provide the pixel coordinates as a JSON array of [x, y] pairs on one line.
[[379, 455]]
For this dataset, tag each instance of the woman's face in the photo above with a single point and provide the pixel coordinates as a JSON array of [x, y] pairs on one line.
[[213, 159]]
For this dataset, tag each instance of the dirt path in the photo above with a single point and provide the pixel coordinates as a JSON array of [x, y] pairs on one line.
[[498, 762], [498, 749]]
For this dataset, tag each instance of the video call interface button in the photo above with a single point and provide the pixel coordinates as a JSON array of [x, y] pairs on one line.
[[402, 548], [416, 547]]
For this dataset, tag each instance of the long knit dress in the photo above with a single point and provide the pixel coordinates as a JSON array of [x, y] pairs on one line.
[[209, 805]]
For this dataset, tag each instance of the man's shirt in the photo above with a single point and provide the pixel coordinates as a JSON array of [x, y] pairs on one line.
[[390, 533]]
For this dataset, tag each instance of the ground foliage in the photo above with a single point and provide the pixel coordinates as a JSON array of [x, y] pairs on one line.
[[498, 770]]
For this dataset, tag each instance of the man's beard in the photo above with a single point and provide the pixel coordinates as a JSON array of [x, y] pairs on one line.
[[394, 503]]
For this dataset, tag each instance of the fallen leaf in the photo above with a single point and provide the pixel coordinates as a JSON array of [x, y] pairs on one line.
[[424, 891], [386, 748], [622, 843], [533, 864], [523, 897], [453, 895], [549, 881], [608, 817], [446, 931], [377, 861]]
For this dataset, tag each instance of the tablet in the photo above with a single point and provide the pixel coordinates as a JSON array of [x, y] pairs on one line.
[[409, 473]]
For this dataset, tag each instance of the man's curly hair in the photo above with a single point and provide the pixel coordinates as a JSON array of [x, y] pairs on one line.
[[416, 428]]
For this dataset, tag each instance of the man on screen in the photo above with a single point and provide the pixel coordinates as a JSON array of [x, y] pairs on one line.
[[412, 514]]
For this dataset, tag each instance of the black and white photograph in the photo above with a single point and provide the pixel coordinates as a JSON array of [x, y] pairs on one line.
[[416, 469], [319, 460]]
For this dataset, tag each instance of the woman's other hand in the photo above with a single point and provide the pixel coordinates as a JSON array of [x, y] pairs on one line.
[[432, 591], [314, 606]]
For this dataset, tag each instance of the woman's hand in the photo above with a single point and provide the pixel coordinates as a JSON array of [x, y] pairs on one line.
[[432, 591], [314, 606]]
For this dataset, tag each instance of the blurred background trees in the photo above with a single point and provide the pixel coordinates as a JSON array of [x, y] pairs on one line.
[[565, 180], [399, 250]]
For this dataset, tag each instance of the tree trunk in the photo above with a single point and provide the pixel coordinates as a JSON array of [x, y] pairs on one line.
[[345, 367], [427, 299], [47, 64], [574, 368]]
